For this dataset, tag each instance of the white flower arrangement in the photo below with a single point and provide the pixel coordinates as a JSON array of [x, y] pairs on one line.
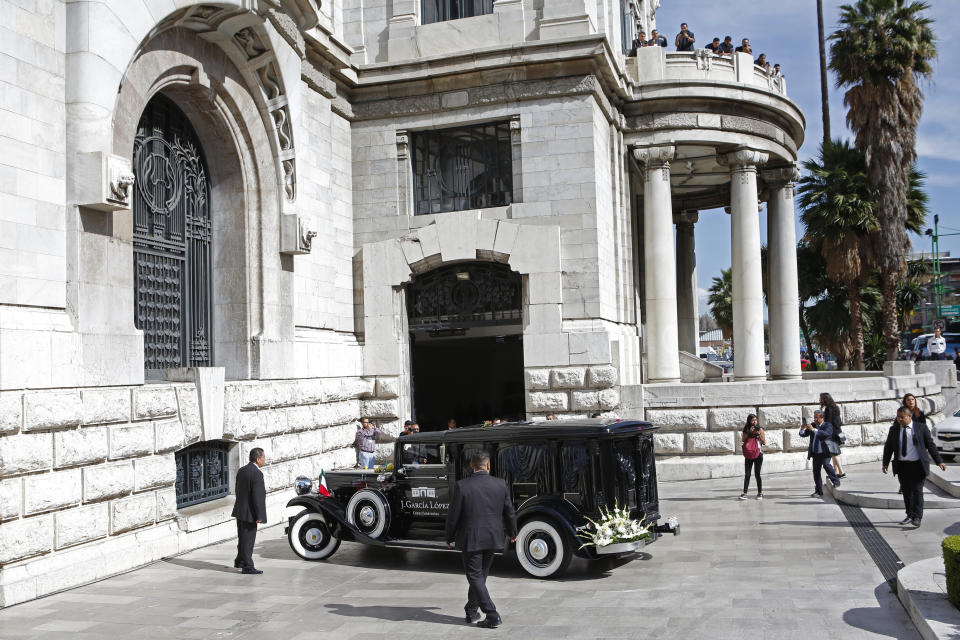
[[614, 526]]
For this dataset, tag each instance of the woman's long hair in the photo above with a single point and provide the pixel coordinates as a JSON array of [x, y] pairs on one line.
[[750, 418], [827, 400]]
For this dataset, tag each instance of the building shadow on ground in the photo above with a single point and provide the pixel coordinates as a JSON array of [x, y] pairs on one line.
[[200, 565], [395, 614], [877, 619]]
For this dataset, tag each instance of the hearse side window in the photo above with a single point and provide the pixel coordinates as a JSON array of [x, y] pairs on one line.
[[423, 453], [525, 468], [574, 471], [467, 452], [625, 462]]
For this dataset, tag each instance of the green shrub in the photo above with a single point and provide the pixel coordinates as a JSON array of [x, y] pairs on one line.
[[951, 561]]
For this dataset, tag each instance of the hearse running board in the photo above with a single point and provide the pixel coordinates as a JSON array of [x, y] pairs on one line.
[[417, 544]]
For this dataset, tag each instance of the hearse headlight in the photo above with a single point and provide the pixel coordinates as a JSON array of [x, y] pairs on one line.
[[303, 485]]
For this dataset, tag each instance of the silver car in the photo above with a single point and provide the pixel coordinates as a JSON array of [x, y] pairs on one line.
[[947, 436]]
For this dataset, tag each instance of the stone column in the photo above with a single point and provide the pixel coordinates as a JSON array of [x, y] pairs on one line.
[[783, 304], [660, 280], [748, 358], [687, 311]]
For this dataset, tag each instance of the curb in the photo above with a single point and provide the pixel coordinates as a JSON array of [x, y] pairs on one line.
[[882, 501], [937, 479], [926, 602]]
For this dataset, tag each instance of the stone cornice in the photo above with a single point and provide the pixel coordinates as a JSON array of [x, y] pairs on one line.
[[780, 176]]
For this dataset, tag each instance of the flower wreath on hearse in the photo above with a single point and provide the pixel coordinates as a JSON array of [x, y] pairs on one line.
[[615, 526]]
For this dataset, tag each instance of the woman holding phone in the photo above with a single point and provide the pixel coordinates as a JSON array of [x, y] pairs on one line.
[[752, 438]]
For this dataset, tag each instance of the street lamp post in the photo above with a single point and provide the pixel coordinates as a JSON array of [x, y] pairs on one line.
[[935, 236]]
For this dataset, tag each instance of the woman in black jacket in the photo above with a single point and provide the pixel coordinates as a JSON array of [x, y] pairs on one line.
[[910, 402], [831, 414]]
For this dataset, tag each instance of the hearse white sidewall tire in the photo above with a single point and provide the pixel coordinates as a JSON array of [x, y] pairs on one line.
[[530, 539], [380, 510], [303, 524]]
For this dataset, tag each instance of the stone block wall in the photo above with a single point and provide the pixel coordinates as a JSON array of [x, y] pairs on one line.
[[90, 471], [571, 392], [699, 424]]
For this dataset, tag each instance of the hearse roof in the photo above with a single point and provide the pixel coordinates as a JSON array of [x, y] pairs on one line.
[[581, 428]]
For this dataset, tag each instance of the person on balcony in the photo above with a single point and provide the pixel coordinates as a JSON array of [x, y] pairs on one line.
[[714, 47], [638, 42], [744, 47], [684, 40], [656, 40], [776, 71], [762, 62], [726, 47]]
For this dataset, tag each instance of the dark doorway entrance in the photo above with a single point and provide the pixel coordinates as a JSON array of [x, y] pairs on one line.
[[468, 379], [466, 345]]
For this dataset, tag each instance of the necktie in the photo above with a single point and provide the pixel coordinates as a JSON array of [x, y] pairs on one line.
[[903, 442]]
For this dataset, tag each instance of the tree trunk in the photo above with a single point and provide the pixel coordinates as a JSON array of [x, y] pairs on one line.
[[888, 312], [824, 95], [856, 326], [806, 338]]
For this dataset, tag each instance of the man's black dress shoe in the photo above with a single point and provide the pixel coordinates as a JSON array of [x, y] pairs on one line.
[[251, 571], [490, 622], [472, 617]]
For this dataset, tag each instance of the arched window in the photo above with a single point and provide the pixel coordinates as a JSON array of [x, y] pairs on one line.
[[203, 472], [172, 241]]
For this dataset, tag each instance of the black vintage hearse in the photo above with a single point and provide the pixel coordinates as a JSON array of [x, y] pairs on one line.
[[560, 473]]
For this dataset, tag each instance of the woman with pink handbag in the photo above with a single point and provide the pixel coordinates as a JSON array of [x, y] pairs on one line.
[[752, 439]]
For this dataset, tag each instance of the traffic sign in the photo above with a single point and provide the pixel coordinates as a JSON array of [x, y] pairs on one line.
[[940, 324], [950, 310]]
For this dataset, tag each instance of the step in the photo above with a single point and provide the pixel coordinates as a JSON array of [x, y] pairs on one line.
[[948, 481], [866, 487]]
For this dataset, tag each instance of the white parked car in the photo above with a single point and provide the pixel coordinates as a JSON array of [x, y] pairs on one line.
[[947, 436]]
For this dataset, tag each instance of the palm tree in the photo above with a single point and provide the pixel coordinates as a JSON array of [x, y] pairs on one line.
[[824, 94], [812, 281], [721, 301], [910, 291], [838, 212], [881, 51]]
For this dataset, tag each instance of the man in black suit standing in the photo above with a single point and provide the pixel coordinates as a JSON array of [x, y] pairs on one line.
[[479, 510], [908, 442], [249, 509]]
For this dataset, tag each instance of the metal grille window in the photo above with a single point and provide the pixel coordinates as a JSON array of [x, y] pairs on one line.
[[203, 473], [171, 240], [465, 295], [463, 168], [443, 10]]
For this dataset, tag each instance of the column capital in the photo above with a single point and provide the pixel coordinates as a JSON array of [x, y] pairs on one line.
[[743, 159], [686, 217], [654, 155], [781, 176]]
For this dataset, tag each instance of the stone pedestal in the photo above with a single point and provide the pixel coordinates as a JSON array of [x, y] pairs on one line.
[[663, 364], [783, 303], [748, 362], [687, 309]]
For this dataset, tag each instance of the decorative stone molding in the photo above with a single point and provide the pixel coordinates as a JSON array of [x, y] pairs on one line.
[[743, 159], [781, 176], [686, 217], [295, 237], [103, 181], [656, 160]]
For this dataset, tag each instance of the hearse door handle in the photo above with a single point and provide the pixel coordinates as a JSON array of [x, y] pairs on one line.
[[441, 477]]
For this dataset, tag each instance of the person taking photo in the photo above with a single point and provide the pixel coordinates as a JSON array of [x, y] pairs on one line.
[[752, 439]]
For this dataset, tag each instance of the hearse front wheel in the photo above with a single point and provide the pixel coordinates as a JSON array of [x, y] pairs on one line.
[[542, 550], [310, 537]]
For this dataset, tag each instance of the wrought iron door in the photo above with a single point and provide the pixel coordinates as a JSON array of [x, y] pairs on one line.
[[171, 240]]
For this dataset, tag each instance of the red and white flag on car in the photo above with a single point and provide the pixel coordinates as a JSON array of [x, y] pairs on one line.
[[322, 489]]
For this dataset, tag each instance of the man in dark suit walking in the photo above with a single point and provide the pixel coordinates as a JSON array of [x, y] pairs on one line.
[[908, 442], [249, 509], [479, 510]]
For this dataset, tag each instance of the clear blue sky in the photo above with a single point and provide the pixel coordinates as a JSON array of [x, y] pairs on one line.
[[787, 33]]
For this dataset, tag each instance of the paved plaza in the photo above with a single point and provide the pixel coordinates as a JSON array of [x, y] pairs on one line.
[[740, 569]]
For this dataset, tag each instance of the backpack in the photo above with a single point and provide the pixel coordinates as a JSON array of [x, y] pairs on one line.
[[751, 448]]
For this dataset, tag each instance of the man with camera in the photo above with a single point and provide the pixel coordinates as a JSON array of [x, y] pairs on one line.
[[821, 439], [908, 442], [684, 40]]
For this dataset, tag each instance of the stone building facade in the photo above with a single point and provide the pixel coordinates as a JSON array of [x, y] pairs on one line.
[[245, 223]]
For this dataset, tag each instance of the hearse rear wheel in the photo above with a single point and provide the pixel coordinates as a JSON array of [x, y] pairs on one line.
[[542, 550], [311, 538]]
